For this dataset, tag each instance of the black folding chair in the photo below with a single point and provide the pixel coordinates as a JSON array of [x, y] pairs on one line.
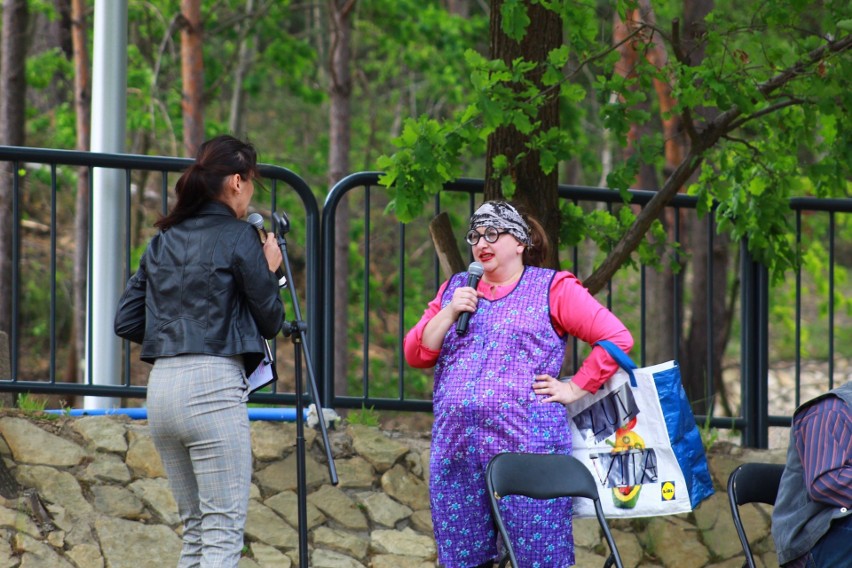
[[543, 476], [752, 483]]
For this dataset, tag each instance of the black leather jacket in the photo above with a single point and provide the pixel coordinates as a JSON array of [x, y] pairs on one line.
[[203, 287]]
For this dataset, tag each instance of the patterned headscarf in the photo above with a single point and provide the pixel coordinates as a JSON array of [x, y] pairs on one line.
[[504, 217]]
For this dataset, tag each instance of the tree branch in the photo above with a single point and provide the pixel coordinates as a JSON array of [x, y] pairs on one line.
[[818, 54], [586, 62], [630, 241], [755, 152], [677, 48], [720, 126], [766, 110], [347, 8]]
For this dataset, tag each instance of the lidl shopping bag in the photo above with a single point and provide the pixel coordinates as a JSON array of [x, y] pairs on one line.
[[638, 437]]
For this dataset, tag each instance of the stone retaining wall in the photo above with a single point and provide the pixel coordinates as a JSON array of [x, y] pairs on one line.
[[107, 503]]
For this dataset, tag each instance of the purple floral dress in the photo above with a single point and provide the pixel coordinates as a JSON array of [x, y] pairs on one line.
[[484, 404]]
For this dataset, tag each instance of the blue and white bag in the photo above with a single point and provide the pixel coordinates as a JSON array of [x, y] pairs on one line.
[[638, 437]]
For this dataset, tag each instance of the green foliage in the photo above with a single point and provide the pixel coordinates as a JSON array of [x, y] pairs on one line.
[[810, 332], [42, 69], [35, 302], [34, 407], [430, 151], [709, 434], [503, 94], [29, 404], [429, 157], [365, 417], [751, 174], [45, 71], [425, 98], [602, 228], [514, 19]]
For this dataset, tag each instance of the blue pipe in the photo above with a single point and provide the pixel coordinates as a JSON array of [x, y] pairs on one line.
[[270, 414]]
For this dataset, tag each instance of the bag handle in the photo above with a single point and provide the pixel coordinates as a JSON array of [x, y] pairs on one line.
[[623, 359]]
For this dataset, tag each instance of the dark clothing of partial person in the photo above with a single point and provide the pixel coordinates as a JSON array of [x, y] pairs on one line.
[[214, 293], [811, 522]]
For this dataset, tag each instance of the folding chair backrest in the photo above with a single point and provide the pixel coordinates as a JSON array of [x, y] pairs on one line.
[[543, 476], [752, 483]]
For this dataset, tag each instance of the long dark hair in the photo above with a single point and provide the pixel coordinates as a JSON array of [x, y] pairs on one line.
[[203, 181]]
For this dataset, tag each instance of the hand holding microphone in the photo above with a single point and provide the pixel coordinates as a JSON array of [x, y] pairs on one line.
[[256, 220], [474, 273]]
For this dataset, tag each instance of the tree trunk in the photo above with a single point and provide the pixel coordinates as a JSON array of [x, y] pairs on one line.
[[82, 105], [662, 304], [536, 192], [13, 51], [339, 126], [660, 285], [192, 73], [244, 60], [697, 353], [459, 8]]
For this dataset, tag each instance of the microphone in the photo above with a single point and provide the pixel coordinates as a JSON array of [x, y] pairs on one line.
[[474, 273], [256, 220]]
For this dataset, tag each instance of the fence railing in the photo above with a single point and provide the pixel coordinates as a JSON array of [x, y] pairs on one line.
[[43, 183], [376, 383], [386, 264]]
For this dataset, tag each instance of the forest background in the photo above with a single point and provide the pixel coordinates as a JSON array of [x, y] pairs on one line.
[[742, 104]]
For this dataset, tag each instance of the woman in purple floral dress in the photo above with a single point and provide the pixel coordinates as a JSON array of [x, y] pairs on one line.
[[494, 383]]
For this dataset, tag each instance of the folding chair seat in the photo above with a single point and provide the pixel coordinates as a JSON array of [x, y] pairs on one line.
[[752, 483], [525, 474]]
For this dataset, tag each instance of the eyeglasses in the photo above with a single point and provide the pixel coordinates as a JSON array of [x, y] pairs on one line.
[[491, 235]]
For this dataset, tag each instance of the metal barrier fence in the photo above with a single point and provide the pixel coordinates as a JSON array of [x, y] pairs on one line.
[[385, 260], [50, 176], [377, 386]]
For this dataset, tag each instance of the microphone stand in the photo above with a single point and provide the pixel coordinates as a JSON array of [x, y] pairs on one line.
[[295, 330]]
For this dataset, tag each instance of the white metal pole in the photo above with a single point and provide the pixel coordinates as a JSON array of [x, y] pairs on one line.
[[109, 107]]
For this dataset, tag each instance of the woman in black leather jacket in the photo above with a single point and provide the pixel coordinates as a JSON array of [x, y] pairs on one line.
[[203, 300]]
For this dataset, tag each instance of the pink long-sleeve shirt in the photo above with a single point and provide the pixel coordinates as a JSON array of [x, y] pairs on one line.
[[573, 310]]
